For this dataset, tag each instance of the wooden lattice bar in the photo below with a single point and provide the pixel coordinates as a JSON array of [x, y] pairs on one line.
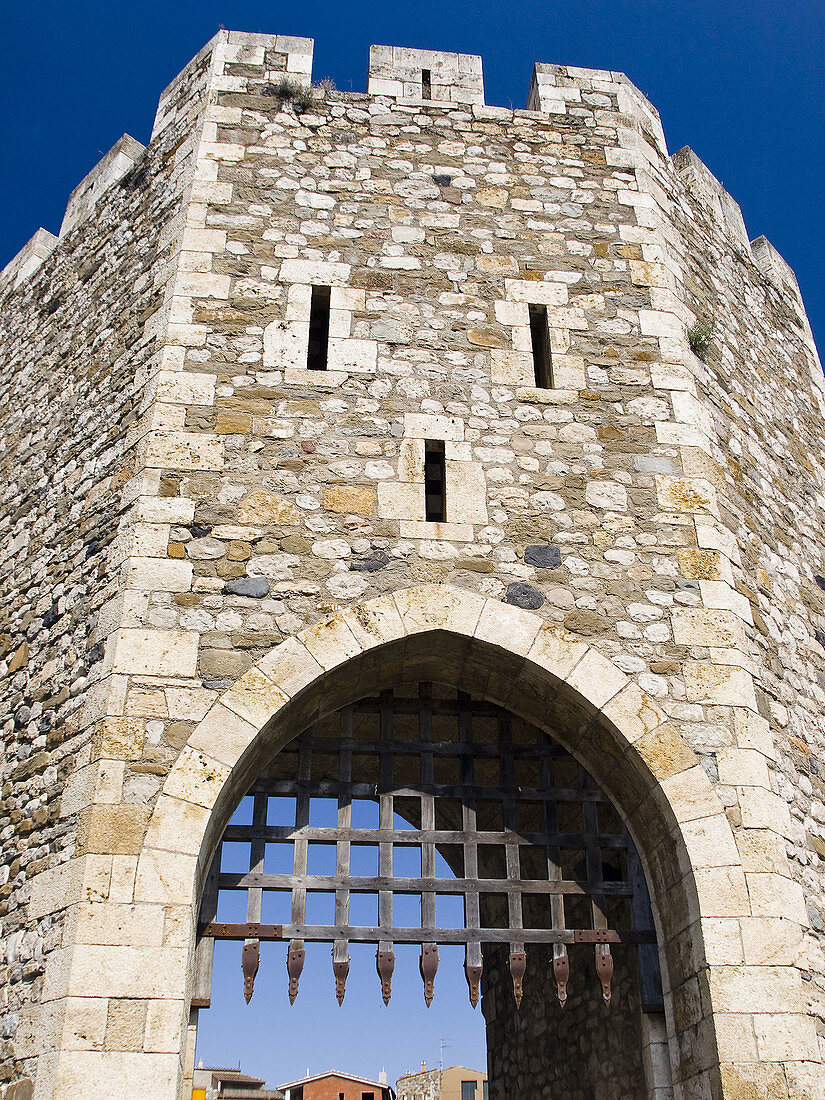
[[515, 819]]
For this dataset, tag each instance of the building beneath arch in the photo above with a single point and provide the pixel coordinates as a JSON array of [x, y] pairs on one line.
[[333, 418]]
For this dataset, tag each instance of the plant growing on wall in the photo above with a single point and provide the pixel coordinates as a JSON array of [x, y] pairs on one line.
[[700, 338]]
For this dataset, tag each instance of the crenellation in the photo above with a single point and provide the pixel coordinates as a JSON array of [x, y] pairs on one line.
[[121, 159], [29, 258]]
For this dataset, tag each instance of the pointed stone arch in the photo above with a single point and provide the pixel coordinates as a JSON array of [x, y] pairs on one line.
[[515, 659]]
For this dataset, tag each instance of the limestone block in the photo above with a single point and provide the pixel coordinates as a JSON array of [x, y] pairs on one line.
[[375, 622], [56, 887], [164, 877], [762, 809], [734, 1036], [223, 734], [157, 574], [511, 368], [340, 324], [254, 697], [112, 830], [330, 641], [438, 607], [262, 507], [203, 240], [709, 842], [596, 678], [784, 1036], [196, 777], [633, 712], [118, 738], [121, 1077], [411, 460], [722, 893], [401, 500], [84, 1024], [556, 651], [569, 372], [185, 451], [742, 768], [722, 685], [465, 492], [359, 356], [165, 509], [535, 293], [177, 826], [319, 380], [205, 284], [774, 895], [433, 426], [446, 532], [681, 494], [690, 793], [165, 1021], [762, 989], [318, 272], [665, 752], [107, 923], [698, 626], [719, 594], [155, 652], [355, 499], [754, 732], [185, 387], [606, 494], [291, 666], [771, 941], [286, 345], [510, 628]]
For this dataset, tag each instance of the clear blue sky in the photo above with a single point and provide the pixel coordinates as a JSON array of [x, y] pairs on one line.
[[742, 83]]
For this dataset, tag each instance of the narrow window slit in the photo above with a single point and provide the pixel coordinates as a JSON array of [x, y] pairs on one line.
[[426, 84], [318, 346], [435, 481], [540, 339]]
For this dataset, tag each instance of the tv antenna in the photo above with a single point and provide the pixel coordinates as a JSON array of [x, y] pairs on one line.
[[443, 1043]]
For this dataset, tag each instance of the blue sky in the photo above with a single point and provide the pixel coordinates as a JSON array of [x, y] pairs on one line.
[[742, 84]]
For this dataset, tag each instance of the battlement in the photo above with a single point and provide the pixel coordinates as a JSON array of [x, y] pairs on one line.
[[404, 75]]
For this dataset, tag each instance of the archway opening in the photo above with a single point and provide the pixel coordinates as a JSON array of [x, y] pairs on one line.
[[425, 817]]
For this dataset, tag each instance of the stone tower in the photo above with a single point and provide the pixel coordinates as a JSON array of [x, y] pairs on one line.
[[322, 392]]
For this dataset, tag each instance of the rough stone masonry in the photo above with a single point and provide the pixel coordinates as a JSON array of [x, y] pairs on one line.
[[199, 533]]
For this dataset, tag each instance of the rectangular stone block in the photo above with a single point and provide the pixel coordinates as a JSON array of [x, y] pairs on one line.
[[113, 830], [163, 877], [723, 685], [157, 574], [425, 529], [185, 387], [465, 492], [197, 777], [701, 627], [185, 451], [359, 356], [108, 923], [178, 826], [222, 734], [433, 426], [155, 652], [400, 500]]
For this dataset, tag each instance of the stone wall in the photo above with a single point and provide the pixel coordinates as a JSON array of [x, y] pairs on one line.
[[662, 508], [78, 337], [584, 1051]]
